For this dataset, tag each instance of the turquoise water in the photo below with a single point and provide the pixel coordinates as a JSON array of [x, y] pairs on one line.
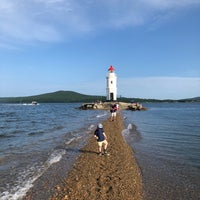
[[167, 148]]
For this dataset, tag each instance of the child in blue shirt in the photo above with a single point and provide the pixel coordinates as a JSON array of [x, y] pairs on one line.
[[101, 137]]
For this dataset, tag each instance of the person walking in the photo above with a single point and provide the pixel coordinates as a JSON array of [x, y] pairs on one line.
[[113, 111], [101, 137]]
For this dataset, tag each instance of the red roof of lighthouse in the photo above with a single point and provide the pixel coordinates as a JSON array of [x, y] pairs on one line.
[[111, 68]]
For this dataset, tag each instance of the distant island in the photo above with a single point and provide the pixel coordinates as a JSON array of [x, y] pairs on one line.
[[75, 97]]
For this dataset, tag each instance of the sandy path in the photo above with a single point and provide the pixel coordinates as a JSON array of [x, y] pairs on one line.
[[93, 177]]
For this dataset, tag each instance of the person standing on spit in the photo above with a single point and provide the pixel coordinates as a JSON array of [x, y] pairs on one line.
[[113, 111], [101, 137]]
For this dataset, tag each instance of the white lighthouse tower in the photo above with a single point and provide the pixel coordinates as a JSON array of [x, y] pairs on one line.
[[111, 88]]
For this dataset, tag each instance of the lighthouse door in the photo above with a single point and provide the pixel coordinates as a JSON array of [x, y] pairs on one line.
[[111, 96]]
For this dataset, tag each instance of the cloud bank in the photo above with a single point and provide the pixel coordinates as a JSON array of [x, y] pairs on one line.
[[25, 22], [160, 87]]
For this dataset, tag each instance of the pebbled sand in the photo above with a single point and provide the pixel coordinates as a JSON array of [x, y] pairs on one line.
[[113, 177]]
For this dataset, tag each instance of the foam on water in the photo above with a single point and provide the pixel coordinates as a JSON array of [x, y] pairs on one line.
[[27, 177], [91, 127], [74, 139], [126, 131], [25, 130], [56, 156], [102, 115], [165, 140]]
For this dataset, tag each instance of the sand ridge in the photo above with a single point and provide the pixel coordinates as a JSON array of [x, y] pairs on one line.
[[113, 177]]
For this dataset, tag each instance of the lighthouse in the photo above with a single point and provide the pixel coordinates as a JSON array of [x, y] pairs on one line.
[[111, 88]]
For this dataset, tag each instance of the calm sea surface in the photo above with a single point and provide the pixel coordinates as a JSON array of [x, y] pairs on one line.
[[165, 138], [32, 138], [167, 147]]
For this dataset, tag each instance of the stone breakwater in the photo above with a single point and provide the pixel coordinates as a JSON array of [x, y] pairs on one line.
[[106, 106], [113, 177]]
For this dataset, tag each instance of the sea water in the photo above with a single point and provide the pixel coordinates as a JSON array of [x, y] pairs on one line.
[[166, 141], [34, 137]]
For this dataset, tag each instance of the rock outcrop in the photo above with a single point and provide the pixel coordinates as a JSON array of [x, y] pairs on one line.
[[106, 106]]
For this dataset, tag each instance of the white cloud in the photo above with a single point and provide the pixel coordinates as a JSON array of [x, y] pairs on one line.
[[23, 21], [160, 87], [170, 3], [145, 87]]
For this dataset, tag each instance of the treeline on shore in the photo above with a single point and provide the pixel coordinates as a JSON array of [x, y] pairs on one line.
[[72, 97]]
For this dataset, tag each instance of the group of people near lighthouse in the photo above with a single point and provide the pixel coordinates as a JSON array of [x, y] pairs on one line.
[[100, 135]]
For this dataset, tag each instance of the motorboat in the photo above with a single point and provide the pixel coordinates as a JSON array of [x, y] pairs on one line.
[[34, 103]]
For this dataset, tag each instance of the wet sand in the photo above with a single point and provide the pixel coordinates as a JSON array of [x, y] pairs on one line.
[[112, 177]]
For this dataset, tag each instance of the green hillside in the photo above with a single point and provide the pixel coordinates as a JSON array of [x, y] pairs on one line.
[[70, 97], [54, 97]]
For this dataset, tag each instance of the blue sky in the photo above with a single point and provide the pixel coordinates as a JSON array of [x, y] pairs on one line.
[[51, 45]]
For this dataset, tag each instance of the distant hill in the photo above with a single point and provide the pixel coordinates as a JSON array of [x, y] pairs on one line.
[[54, 97], [70, 97], [195, 99]]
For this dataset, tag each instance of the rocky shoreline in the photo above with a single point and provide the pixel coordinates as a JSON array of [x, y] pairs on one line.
[[113, 177], [106, 106]]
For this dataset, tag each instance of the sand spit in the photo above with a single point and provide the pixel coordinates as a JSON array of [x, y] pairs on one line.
[[113, 177]]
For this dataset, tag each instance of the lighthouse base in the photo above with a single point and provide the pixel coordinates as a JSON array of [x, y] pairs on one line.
[[111, 97]]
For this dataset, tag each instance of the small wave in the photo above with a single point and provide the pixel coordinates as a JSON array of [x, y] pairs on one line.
[[28, 177], [20, 191], [126, 131], [132, 133], [36, 133], [29, 104], [6, 136], [91, 127], [57, 128], [129, 127], [74, 139], [101, 115], [56, 156], [70, 141], [8, 114]]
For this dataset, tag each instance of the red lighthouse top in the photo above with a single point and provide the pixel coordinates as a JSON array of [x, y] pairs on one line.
[[111, 68]]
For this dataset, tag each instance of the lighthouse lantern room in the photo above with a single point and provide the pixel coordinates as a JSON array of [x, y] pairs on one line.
[[111, 88]]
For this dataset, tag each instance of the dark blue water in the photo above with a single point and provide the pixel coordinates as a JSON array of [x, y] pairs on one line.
[[167, 147], [166, 142], [33, 137]]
